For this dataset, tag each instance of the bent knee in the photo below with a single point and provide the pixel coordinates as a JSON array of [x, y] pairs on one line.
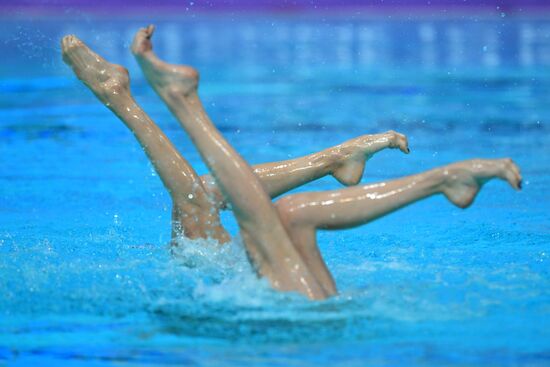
[[290, 210]]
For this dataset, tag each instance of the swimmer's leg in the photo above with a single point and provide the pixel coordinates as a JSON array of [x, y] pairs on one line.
[[346, 162], [110, 83], [303, 213], [264, 236]]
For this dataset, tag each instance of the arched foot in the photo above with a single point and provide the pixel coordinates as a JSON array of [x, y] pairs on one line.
[[463, 180], [166, 79], [107, 81], [356, 152]]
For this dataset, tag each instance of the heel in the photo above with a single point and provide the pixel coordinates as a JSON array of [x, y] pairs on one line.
[[350, 173]]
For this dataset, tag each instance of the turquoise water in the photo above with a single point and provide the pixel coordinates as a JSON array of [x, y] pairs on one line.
[[86, 276]]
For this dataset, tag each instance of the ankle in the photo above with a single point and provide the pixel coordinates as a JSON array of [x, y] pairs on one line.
[[437, 179]]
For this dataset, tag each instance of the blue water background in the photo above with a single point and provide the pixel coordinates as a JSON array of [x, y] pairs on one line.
[[86, 277]]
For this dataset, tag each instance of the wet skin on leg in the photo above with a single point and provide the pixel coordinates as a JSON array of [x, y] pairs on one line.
[[462, 182], [277, 177], [343, 208], [193, 209], [263, 233], [304, 213], [346, 162]]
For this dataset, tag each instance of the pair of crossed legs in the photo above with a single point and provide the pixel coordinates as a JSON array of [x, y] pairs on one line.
[[279, 238]]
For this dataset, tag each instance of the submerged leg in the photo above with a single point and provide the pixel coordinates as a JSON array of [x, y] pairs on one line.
[[264, 236], [346, 162], [110, 83], [303, 213]]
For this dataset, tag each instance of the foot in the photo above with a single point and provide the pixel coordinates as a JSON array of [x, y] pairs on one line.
[[355, 153], [463, 180], [106, 80], [166, 79]]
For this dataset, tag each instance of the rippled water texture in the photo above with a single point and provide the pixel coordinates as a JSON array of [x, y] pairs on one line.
[[86, 275]]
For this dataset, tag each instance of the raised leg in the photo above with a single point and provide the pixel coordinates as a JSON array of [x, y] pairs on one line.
[[303, 213], [346, 162], [193, 210], [264, 236]]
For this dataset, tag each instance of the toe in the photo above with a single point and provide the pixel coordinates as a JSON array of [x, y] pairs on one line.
[[513, 179], [404, 144], [71, 41], [514, 167], [513, 175], [398, 140], [68, 46], [149, 30], [66, 42], [141, 42]]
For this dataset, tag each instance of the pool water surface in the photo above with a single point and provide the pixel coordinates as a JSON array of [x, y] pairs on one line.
[[86, 276]]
